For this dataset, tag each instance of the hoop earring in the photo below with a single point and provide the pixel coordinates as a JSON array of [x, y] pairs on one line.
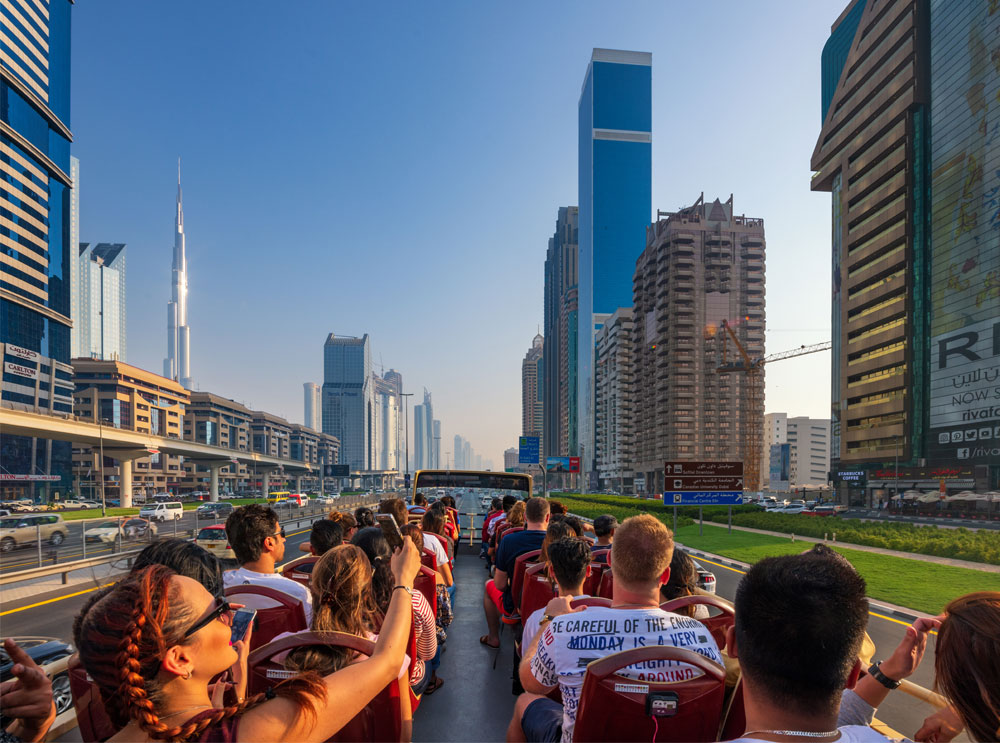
[[186, 676]]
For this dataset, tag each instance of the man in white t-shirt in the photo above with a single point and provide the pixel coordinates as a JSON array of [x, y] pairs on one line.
[[568, 566], [568, 640], [800, 622], [258, 542]]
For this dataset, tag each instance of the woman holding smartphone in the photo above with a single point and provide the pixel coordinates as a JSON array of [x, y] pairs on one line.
[[155, 641]]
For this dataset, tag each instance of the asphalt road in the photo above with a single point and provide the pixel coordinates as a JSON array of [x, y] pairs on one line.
[[52, 615]]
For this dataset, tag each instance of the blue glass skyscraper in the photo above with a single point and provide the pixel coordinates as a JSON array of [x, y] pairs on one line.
[[615, 187], [35, 214]]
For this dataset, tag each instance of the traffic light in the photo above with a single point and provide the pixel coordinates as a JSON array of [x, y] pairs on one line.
[[406, 480]]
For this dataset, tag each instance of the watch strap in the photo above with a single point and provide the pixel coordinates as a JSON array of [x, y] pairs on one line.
[[876, 673]]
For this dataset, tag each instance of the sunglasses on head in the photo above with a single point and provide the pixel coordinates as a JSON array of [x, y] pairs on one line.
[[222, 611]]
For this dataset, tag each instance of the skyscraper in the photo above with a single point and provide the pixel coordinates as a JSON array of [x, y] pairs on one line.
[[702, 265], [388, 421], [348, 404], [560, 331], [436, 442], [74, 264], [615, 197], [99, 316], [313, 417], [177, 365], [532, 373], [614, 385], [458, 461], [910, 154], [421, 451], [35, 275]]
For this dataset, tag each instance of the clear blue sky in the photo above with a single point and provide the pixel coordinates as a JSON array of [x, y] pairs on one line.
[[395, 169]]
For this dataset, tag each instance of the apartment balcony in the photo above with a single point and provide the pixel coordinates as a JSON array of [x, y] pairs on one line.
[[754, 276]]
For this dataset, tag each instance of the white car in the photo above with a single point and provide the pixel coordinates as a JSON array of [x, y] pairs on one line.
[[72, 504], [108, 531], [792, 508]]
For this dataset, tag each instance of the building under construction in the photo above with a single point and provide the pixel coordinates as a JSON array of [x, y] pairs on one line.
[[702, 266]]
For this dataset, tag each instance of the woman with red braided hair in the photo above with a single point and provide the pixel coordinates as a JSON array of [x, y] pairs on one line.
[[153, 643]]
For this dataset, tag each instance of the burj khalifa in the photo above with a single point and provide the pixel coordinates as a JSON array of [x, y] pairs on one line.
[[177, 365]]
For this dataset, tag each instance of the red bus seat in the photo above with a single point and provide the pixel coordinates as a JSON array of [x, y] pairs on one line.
[[734, 721], [592, 583], [508, 530], [537, 590], [380, 720], [428, 560], [426, 583], [445, 544], [618, 708], [93, 720], [521, 563], [590, 601], [717, 624], [277, 612], [607, 588], [291, 571]]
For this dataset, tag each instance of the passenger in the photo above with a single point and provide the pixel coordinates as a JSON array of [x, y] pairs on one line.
[[153, 644], [433, 523], [496, 510], [555, 531], [556, 508], [364, 518], [559, 653], [342, 594], [568, 568], [27, 698], [497, 598], [580, 526], [184, 558], [419, 503], [444, 615], [258, 542], [509, 501], [793, 680], [396, 507], [966, 665], [516, 516], [349, 524], [376, 549], [604, 530], [324, 536], [683, 582], [450, 527]]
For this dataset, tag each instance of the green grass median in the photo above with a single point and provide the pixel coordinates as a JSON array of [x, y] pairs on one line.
[[908, 582], [913, 583]]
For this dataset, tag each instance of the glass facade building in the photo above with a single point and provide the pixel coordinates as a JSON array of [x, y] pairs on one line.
[[99, 314], [615, 192], [348, 398], [35, 187]]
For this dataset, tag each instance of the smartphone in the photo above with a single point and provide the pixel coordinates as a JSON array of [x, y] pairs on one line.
[[390, 530], [242, 620]]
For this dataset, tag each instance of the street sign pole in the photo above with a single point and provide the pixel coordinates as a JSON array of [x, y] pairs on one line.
[[545, 481], [730, 519], [701, 523], [675, 519]]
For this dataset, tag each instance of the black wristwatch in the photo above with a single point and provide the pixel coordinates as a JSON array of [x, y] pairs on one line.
[[876, 673]]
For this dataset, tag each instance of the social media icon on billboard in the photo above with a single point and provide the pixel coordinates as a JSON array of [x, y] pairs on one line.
[[963, 453], [956, 437], [985, 433], [971, 434], [944, 438]]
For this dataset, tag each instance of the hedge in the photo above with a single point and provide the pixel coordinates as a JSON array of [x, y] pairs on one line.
[[962, 544]]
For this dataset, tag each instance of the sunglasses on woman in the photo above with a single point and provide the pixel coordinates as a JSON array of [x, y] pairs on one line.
[[223, 612]]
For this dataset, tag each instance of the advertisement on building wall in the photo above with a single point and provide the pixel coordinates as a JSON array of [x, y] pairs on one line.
[[965, 232]]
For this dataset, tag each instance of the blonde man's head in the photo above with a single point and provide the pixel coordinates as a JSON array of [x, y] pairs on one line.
[[641, 552]]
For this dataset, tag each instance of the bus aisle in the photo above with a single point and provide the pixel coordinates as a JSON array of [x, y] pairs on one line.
[[475, 701]]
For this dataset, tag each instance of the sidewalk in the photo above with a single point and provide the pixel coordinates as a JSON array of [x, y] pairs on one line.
[[986, 567], [77, 580]]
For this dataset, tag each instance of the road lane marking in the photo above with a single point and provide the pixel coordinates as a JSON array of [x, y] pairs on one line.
[[52, 601], [872, 613]]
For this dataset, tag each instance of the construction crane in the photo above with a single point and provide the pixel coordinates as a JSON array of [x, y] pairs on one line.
[[754, 369]]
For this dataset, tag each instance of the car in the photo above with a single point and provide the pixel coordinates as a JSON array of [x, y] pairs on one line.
[[706, 578], [109, 531], [823, 510], [4, 512], [214, 539], [70, 504], [162, 497], [326, 500], [213, 511], [18, 531], [47, 652], [791, 509], [90, 504]]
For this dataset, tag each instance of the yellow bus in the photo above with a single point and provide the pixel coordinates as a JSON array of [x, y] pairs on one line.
[[275, 496]]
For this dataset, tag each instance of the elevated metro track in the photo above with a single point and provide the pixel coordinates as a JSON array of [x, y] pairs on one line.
[[125, 446]]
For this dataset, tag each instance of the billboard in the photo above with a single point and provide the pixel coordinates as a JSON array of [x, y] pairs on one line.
[[964, 271], [337, 470], [562, 464], [780, 465], [528, 448]]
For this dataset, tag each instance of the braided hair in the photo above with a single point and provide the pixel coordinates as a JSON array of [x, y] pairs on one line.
[[122, 638]]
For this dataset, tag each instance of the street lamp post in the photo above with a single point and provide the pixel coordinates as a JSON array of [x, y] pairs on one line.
[[406, 430]]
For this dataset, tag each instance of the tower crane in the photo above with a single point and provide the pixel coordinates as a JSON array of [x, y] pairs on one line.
[[754, 369]]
